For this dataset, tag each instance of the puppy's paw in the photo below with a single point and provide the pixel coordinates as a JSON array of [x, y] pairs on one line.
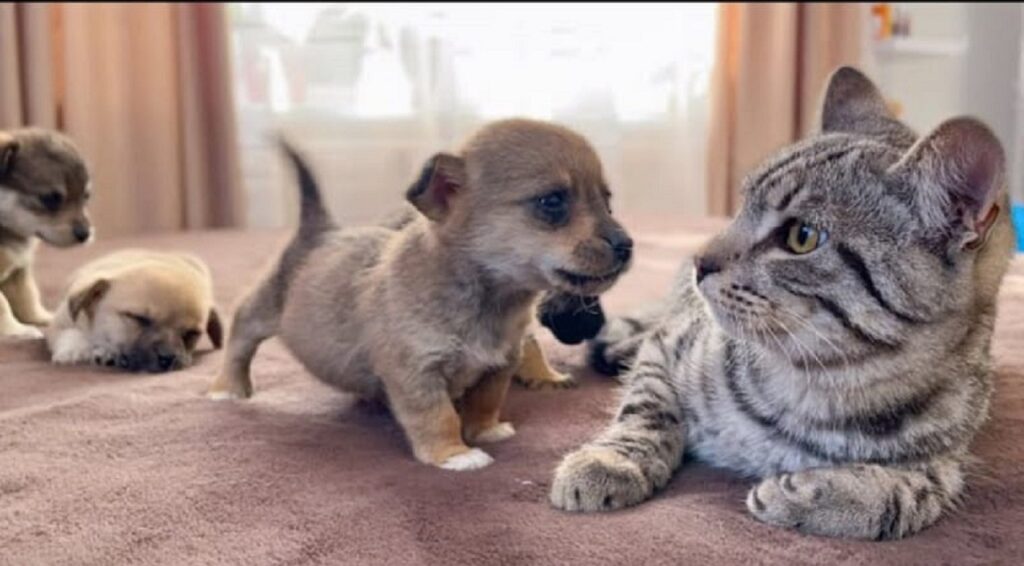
[[18, 331], [555, 380], [225, 388], [41, 317], [598, 479], [497, 433], [472, 459]]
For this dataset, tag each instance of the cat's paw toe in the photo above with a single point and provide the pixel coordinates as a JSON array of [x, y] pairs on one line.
[[598, 479], [783, 500]]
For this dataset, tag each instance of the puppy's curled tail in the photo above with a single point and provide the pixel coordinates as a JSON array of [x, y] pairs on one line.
[[314, 218]]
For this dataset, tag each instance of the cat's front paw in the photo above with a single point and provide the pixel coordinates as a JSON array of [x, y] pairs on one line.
[[598, 479], [809, 502]]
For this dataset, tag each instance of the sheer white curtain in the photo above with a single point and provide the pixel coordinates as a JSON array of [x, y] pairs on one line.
[[370, 91]]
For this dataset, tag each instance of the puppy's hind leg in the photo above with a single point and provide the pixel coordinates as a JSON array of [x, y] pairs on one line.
[[535, 372], [481, 408], [256, 319]]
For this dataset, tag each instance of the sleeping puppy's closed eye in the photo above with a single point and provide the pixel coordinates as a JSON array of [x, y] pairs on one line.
[[135, 310]]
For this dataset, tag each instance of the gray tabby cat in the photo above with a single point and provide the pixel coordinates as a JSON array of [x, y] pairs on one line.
[[832, 342]]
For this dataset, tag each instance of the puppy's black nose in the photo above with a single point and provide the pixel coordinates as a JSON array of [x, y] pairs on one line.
[[124, 362], [622, 246], [706, 266], [80, 231], [165, 362]]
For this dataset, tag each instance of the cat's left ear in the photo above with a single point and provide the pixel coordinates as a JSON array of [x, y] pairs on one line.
[[956, 174], [853, 104]]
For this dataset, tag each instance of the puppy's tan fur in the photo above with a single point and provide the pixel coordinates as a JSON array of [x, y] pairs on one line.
[[137, 310], [44, 187], [431, 316]]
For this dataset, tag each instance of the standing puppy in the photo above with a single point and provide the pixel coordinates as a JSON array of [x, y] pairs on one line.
[[431, 317], [44, 187], [138, 310]]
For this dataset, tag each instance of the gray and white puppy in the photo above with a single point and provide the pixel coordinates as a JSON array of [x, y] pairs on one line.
[[431, 317], [833, 342], [44, 189]]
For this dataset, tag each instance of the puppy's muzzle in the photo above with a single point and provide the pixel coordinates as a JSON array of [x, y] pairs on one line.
[[81, 231], [149, 361], [622, 246]]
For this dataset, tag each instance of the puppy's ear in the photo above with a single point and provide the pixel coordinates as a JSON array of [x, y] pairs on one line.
[[8, 150], [214, 329], [442, 178], [86, 299]]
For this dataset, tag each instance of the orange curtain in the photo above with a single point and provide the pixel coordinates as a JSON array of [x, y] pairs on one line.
[[144, 89], [771, 65]]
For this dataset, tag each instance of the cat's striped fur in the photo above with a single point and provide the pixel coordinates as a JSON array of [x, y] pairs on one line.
[[849, 380]]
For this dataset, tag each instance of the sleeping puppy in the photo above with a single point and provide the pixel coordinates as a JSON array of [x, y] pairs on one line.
[[136, 310], [432, 317], [44, 187]]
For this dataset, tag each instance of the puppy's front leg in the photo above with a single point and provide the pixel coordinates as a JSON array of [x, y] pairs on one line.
[[23, 293], [10, 327], [433, 426], [481, 407]]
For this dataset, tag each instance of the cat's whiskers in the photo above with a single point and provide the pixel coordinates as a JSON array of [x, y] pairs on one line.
[[801, 346], [817, 333]]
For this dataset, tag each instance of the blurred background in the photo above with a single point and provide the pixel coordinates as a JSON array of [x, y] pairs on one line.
[[176, 105]]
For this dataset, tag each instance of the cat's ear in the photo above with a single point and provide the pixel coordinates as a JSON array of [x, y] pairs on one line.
[[853, 104], [956, 174]]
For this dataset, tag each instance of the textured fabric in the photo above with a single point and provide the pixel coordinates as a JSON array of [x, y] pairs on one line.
[[99, 467], [772, 62], [145, 91]]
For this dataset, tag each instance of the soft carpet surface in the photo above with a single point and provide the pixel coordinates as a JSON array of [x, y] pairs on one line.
[[98, 467]]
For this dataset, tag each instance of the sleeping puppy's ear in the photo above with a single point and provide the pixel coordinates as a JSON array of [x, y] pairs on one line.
[[86, 299], [442, 179], [571, 318], [214, 329], [9, 147]]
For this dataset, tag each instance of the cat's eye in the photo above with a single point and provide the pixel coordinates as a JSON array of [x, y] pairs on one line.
[[190, 337], [52, 201], [803, 238], [142, 320], [553, 206]]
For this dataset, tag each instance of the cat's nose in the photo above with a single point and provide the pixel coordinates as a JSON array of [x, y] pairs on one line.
[[706, 265]]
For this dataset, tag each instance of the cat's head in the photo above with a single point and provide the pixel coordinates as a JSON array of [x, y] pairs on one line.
[[849, 240]]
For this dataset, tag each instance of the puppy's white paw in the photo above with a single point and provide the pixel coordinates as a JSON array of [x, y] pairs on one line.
[[497, 433], [19, 331], [474, 459], [223, 395]]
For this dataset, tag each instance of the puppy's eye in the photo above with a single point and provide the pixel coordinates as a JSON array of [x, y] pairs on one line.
[[190, 337], [52, 201], [142, 320], [553, 207], [803, 238]]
